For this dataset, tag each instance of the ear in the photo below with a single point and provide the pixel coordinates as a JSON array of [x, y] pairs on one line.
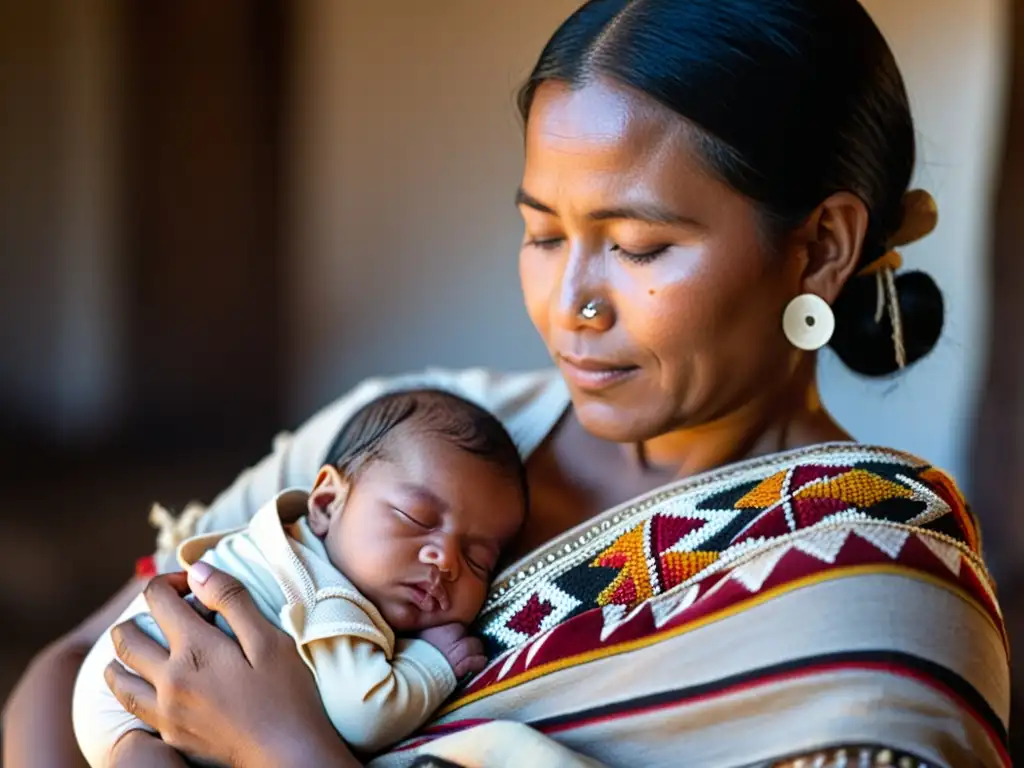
[[833, 236], [326, 500]]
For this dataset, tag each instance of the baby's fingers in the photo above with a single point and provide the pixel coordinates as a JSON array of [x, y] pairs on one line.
[[466, 650], [471, 665]]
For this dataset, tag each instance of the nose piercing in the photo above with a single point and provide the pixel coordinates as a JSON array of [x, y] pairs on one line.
[[590, 310]]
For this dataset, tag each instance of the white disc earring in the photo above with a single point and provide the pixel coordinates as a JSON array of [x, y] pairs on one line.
[[808, 322]]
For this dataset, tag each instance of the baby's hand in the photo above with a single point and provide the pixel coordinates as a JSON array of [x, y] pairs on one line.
[[464, 652]]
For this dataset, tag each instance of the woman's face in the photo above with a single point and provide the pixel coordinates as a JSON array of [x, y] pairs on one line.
[[620, 209]]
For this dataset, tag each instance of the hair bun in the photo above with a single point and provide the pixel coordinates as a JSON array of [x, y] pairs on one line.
[[865, 345]]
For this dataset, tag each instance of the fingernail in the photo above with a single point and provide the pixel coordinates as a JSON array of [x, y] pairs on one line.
[[199, 572]]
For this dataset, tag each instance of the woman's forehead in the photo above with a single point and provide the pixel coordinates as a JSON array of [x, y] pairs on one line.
[[608, 142]]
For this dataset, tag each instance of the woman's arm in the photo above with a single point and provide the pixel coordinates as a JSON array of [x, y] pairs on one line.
[[37, 715], [250, 704], [137, 748]]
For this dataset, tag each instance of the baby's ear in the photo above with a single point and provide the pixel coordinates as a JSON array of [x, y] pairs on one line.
[[327, 499]]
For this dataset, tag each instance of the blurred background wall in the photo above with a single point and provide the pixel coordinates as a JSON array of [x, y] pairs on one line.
[[215, 217], [141, 308], [60, 218]]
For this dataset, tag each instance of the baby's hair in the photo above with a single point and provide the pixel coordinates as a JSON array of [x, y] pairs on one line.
[[465, 425]]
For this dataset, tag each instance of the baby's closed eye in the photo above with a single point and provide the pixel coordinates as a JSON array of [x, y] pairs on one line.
[[481, 558], [409, 518]]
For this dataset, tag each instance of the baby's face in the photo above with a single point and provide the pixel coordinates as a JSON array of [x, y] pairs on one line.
[[420, 532]]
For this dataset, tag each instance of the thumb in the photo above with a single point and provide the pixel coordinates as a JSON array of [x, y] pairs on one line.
[[227, 596]]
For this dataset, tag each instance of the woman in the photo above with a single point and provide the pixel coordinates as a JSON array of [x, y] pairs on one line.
[[713, 573]]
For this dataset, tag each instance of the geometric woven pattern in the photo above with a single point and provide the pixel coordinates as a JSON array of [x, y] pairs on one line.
[[532, 614], [698, 527], [785, 565]]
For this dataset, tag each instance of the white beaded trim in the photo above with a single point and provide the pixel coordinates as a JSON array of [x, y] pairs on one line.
[[857, 757], [584, 541]]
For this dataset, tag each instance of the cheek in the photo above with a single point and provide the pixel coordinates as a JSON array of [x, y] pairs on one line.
[[472, 593], [538, 276], [363, 542], [663, 308], [690, 307]]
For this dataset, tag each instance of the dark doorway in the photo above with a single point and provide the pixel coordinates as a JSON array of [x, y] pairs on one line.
[[204, 201]]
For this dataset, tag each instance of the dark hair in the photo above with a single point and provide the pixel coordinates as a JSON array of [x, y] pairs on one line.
[[792, 101], [368, 434]]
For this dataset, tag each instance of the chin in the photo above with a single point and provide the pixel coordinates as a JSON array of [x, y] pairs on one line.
[[618, 423], [402, 617]]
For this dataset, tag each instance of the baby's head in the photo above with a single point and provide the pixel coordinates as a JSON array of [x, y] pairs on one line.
[[421, 493]]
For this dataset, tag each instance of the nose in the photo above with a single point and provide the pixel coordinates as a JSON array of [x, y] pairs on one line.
[[581, 291], [442, 553]]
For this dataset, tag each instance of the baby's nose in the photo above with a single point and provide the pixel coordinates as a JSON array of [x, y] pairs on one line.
[[441, 558]]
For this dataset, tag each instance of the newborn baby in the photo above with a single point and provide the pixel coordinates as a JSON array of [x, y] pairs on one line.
[[399, 536]]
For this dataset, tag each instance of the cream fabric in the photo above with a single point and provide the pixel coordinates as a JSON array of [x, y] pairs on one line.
[[502, 744]]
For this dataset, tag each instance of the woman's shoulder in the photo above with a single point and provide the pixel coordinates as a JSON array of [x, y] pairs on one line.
[[526, 402], [504, 393], [874, 506], [490, 388], [883, 484]]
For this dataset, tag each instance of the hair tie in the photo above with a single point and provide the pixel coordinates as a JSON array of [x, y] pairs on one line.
[[920, 216], [891, 260]]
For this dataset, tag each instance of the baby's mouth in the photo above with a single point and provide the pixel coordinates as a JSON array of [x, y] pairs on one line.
[[429, 596]]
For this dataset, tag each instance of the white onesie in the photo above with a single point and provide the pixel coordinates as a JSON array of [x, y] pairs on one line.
[[376, 690]]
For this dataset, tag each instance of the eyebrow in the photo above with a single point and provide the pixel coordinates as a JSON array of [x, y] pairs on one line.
[[650, 214]]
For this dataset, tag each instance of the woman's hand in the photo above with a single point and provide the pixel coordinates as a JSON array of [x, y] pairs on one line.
[[250, 703]]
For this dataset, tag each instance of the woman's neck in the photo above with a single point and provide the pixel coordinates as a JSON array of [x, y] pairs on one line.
[[774, 421]]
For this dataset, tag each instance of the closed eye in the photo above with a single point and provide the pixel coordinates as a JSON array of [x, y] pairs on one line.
[[546, 243], [481, 562], [640, 258], [409, 518]]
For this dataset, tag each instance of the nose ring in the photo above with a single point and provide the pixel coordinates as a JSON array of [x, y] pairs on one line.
[[591, 309]]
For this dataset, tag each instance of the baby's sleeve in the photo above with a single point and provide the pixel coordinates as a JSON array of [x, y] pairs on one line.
[[98, 718], [374, 702]]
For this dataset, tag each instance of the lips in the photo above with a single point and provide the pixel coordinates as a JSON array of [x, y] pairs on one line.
[[429, 595], [591, 373]]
